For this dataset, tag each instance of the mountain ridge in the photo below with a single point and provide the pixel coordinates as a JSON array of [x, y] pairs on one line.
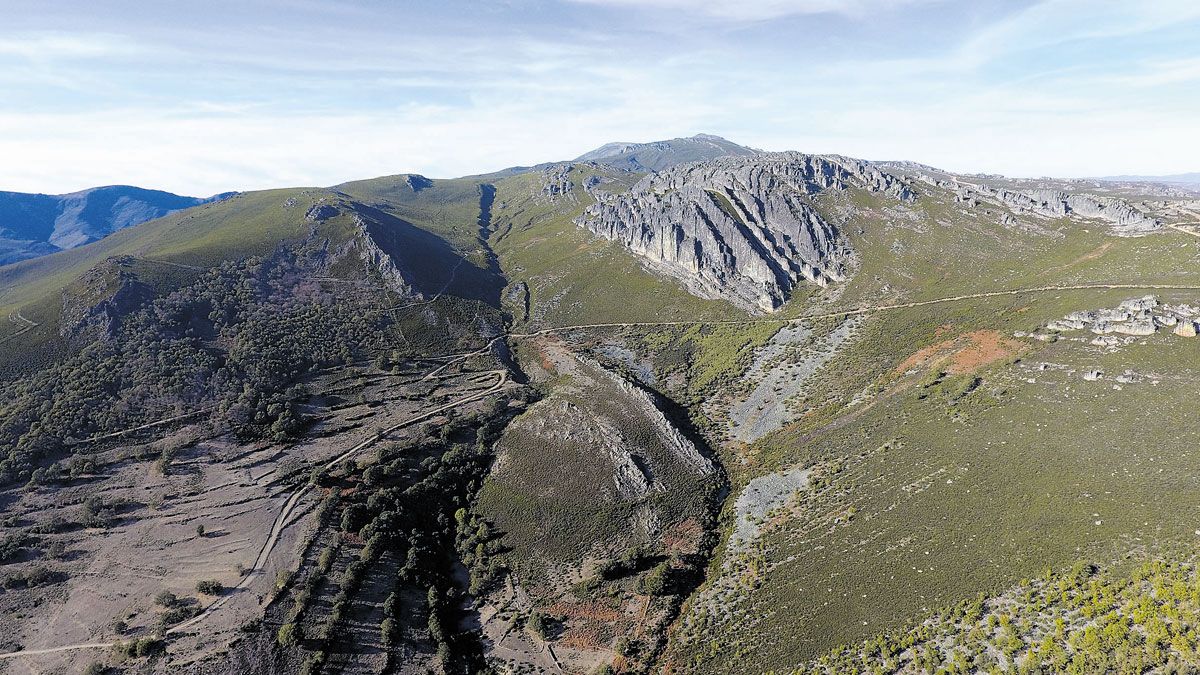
[[35, 224]]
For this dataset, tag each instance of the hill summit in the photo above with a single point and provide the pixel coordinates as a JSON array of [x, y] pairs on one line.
[[659, 155]]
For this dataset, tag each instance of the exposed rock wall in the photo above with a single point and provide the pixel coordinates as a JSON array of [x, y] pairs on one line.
[[1123, 217], [740, 228], [673, 440], [368, 247]]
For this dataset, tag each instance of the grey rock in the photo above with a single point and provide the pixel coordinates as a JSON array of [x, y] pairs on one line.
[[1124, 219], [556, 181], [1136, 327], [320, 212], [516, 298], [417, 182], [367, 244], [743, 229]]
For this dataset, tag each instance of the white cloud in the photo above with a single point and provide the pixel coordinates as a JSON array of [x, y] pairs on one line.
[[756, 10], [49, 46]]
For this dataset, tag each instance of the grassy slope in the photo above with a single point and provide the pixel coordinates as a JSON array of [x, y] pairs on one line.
[[1028, 468], [575, 277]]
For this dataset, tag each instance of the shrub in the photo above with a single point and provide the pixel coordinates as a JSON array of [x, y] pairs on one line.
[[209, 587], [289, 634]]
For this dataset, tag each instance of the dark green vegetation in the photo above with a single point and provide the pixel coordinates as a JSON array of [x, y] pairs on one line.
[[392, 530]]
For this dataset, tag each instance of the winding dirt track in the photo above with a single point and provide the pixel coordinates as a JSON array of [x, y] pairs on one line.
[[289, 509], [862, 310], [290, 506], [26, 325], [1180, 227]]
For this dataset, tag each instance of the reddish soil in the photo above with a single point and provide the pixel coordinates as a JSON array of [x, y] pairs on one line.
[[964, 354]]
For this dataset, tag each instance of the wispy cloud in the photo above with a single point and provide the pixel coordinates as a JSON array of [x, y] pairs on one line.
[[757, 10], [51, 46]]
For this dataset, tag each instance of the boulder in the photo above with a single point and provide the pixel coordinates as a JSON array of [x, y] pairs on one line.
[[1136, 327]]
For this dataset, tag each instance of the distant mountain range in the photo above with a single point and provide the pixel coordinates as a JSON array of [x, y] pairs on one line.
[[33, 225], [1174, 179]]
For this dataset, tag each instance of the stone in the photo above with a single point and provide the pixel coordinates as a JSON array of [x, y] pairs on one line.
[[1124, 219], [320, 212], [1135, 305], [1136, 327], [1186, 328]]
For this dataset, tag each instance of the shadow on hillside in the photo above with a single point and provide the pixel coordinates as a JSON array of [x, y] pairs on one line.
[[434, 265]]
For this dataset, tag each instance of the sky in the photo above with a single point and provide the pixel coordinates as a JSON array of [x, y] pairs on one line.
[[204, 97]]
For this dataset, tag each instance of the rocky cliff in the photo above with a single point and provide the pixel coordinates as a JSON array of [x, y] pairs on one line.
[[740, 228], [1046, 198]]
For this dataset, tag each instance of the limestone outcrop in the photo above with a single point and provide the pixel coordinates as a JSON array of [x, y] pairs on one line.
[[745, 229], [1121, 216]]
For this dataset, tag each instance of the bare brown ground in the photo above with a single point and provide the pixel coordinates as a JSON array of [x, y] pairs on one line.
[[966, 353]]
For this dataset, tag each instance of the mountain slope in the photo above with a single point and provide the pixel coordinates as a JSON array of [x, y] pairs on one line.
[[37, 224]]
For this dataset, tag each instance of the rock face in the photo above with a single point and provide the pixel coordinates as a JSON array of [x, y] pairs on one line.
[[1124, 219], [94, 305], [740, 228], [368, 245]]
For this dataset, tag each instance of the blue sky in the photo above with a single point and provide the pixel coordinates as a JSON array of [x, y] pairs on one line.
[[204, 97]]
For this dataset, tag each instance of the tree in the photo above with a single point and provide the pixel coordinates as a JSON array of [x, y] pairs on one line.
[[200, 530], [387, 630]]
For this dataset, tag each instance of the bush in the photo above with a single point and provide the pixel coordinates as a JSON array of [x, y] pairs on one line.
[[289, 634], [35, 576], [178, 614], [209, 587], [139, 648], [166, 599]]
